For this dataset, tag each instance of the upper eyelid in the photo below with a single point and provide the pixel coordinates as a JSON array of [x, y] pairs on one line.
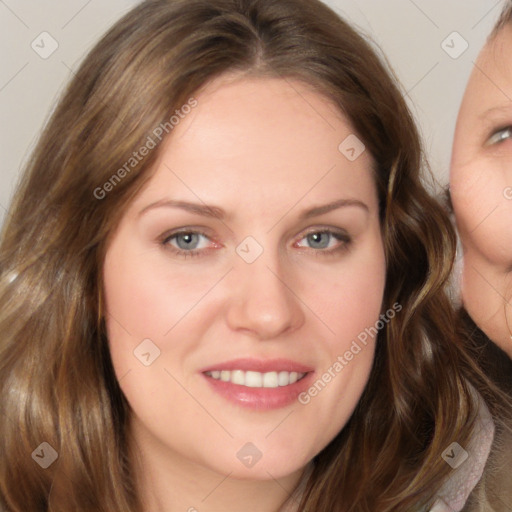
[[173, 235], [185, 231], [337, 232], [495, 131], [340, 236]]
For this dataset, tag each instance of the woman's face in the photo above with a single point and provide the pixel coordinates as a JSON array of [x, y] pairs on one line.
[[481, 189], [252, 258]]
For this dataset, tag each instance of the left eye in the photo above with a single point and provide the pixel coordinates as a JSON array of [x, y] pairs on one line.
[[500, 136], [323, 239]]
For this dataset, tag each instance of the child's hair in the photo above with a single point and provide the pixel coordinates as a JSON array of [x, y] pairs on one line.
[[57, 383], [504, 19]]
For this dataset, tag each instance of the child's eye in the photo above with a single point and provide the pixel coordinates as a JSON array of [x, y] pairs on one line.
[[499, 136]]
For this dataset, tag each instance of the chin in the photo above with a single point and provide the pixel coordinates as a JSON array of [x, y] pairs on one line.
[[251, 464]]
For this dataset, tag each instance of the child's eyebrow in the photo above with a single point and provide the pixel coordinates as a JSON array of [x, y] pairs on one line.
[[497, 111]]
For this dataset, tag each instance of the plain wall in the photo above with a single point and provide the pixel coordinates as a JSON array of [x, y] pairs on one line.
[[410, 32]]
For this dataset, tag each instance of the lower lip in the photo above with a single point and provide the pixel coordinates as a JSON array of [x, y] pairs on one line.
[[260, 398]]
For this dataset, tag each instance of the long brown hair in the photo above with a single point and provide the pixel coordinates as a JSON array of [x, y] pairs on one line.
[[56, 379]]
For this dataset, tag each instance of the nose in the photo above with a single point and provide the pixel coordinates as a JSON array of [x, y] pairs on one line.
[[263, 303]]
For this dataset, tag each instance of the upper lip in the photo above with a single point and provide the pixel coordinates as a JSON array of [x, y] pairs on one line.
[[260, 365]]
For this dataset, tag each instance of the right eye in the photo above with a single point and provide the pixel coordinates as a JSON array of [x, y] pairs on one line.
[[499, 136]]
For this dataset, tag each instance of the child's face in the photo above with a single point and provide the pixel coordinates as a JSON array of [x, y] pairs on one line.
[[265, 151], [481, 189]]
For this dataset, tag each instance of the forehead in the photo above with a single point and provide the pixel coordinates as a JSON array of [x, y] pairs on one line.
[[258, 142], [234, 101], [490, 84], [263, 127]]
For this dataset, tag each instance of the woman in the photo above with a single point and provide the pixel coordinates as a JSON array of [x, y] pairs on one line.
[[480, 189], [223, 282]]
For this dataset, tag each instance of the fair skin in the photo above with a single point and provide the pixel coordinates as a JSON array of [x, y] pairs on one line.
[[480, 184], [265, 151]]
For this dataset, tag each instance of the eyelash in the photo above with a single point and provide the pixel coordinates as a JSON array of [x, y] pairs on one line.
[[341, 236], [496, 133]]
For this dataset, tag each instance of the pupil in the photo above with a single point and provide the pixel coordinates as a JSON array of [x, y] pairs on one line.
[[187, 240], [319, 240]]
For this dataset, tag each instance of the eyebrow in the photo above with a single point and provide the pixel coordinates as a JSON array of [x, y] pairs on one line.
[[196, 208], [502, 109], [218, 213]]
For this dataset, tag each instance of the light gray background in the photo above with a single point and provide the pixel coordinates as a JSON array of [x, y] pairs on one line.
[[410, 32]]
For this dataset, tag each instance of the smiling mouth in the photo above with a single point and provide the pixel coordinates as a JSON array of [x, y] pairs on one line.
[[252, 379]]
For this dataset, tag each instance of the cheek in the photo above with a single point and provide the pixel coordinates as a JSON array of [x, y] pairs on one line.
[[482, 201], [352, 296], [351, 306], [150, 329], [144, 295], [143, 304]]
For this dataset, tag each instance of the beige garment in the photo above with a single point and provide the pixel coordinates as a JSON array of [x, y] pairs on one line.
[[455, 492]]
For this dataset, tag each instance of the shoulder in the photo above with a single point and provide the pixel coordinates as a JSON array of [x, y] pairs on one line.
[[468, 464]]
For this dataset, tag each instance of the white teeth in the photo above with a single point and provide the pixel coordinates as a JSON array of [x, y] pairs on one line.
[[283, 378], [253, 379], [238, 377], [270, 380], [256, 379]]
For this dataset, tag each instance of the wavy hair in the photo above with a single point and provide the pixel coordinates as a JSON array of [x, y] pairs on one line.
[[57, 384]]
